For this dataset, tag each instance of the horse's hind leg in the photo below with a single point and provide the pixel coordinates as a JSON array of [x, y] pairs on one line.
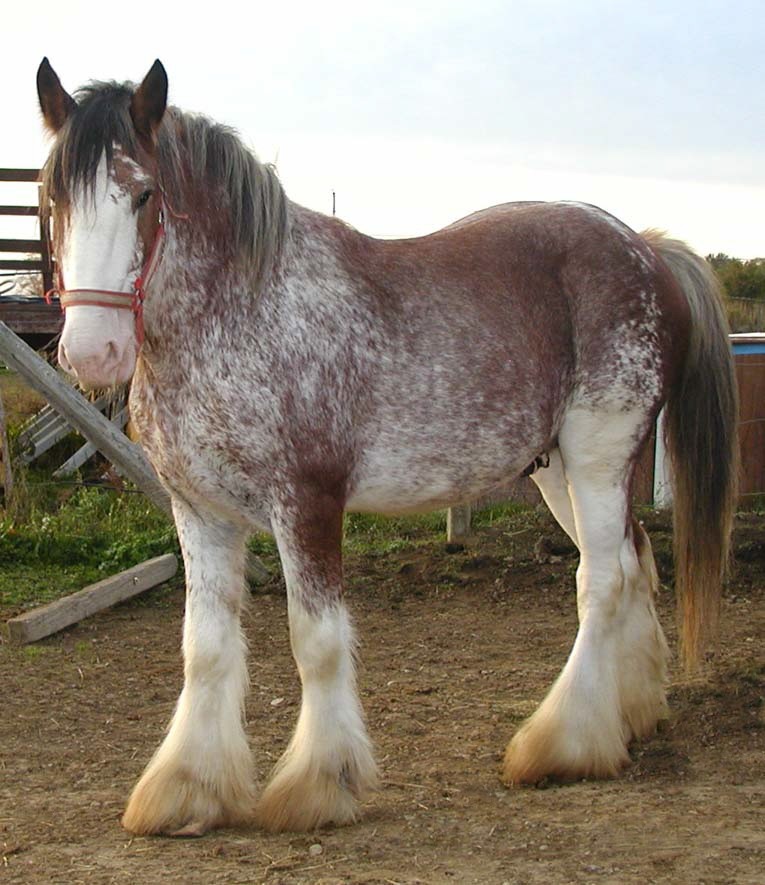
[[612, 687], [328, 766], [201, 776]]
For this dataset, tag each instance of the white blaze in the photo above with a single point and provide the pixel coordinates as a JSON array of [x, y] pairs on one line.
[[100, 251]]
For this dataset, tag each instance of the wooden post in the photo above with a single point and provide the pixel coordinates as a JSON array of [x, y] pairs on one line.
[[64, 612], [46, 255], [457, 522], [5, 453], [662, 469]]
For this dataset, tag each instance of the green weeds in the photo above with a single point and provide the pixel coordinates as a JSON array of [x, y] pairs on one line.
[[53, 548]]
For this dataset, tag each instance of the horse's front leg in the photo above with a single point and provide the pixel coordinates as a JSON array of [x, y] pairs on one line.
[[201, 776], [328, 766]]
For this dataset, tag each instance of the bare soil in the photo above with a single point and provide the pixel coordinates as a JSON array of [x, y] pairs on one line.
[[458, 645]]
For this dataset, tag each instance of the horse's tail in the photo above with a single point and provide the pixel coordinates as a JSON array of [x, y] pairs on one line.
[[701, 437]]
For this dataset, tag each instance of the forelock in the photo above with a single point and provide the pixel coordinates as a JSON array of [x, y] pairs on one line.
[[100, 120]]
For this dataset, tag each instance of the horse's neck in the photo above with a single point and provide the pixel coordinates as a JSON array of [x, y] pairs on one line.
[[199, 288], [207, 298]]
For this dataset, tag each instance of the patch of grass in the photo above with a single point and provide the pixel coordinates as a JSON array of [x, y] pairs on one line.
[[373, 534], [32, 652], [20, 400], [264, 547], [57, 549], [508, 514], [27, 585]]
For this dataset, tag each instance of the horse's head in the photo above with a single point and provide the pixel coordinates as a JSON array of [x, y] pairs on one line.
[[102, 179]]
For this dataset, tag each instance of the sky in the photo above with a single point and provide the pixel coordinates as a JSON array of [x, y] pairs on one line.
[[418, 113]]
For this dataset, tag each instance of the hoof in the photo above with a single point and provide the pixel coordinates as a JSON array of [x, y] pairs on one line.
[[546, 748], [303, 798], [175, 804]]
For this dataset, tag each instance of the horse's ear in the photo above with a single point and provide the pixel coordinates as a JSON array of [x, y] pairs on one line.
[[55, 102], [147, 106]]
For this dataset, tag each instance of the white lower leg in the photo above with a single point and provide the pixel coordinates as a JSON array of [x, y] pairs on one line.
[[612, 687], [642, 652], [328, 766], [201, 776]]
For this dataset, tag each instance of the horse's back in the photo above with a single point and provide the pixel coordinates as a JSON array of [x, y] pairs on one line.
[[575, 293]]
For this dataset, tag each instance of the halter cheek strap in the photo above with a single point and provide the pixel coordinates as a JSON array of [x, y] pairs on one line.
[[117, 300]]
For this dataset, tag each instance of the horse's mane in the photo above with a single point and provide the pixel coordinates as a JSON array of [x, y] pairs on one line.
[[193, 153]]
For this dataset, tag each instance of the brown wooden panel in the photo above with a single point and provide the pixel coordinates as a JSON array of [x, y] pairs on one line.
[[19, 210], [32, 317], [14, 245], [21, 264], [19, 174], [752, 439], [750, 374]]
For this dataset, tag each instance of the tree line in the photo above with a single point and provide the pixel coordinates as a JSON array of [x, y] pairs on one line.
[[740, 279]]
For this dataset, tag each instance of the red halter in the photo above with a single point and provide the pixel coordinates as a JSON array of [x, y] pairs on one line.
[[118, 300]]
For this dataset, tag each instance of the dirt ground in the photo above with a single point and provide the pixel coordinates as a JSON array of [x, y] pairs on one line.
[[458, 646]]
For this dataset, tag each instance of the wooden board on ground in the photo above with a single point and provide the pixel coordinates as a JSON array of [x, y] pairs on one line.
[[64, 612]]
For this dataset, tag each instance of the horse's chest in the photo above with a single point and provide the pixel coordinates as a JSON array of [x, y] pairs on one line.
[[201, 451]]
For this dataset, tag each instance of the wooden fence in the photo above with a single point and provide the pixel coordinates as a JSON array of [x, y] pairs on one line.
[[27, 317], [745, 314], [39, 248]]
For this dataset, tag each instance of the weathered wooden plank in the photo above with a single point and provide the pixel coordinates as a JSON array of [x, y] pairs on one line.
[[19, 174], [35, 426], [38, 426], [16, 245], [19, 210], [21, 264], [54, 432], [31, 317], [84, 453], [457, 522], [64, 612], [125, 455], [48, 428], [5, 456]]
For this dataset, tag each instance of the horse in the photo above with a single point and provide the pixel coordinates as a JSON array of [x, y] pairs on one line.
[[287, 368]]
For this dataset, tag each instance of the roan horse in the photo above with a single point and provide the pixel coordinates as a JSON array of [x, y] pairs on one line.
[[287, 368]]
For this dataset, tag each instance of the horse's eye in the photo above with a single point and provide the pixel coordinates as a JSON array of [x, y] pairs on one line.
[[144, 199]]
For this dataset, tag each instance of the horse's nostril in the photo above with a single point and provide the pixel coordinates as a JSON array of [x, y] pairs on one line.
[[112, 352], [63, 360]]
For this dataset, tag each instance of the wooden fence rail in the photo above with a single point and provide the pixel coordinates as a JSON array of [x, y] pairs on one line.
[[32, 248]]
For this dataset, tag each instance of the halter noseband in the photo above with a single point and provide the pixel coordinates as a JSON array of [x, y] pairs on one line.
[[117, 300]]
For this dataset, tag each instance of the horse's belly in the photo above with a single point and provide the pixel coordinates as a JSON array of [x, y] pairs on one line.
[[395, 482]]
